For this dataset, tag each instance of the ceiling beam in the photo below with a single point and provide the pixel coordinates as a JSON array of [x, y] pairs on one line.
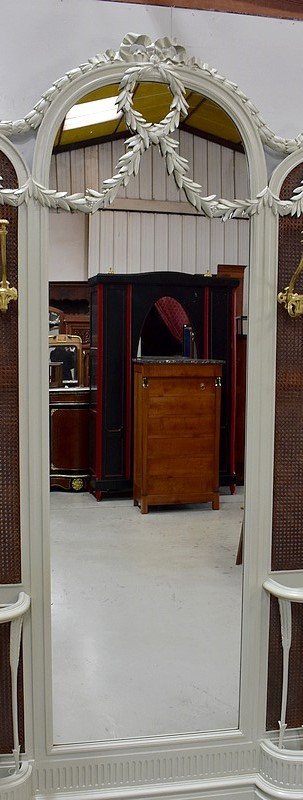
[[195, 108], [63, 148], [282, 9], [238, 146]]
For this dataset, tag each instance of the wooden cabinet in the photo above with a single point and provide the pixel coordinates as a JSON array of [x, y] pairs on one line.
[[176, 432], [120, 305], [234, 271], [240, 407], [237, 271], [69, 438]]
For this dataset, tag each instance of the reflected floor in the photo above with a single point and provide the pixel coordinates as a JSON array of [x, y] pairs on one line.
[[145, 618]]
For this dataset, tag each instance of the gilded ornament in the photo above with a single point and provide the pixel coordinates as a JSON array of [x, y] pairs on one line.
[[77, 484], [291, 300], [7, 293]]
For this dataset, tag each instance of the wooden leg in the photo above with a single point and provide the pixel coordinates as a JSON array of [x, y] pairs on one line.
[[135, 501], [144, 506], [216, 503], [98, 495], [232, 488]]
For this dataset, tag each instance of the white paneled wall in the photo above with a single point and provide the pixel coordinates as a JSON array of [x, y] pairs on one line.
[[151, 226], [68, 247], [143, 242], [218, 169]]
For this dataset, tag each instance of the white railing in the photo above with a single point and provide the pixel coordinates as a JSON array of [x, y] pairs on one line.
[[288, 588], [14, 613]]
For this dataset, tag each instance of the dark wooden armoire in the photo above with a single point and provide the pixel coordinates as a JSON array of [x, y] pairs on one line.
[[120, 306]]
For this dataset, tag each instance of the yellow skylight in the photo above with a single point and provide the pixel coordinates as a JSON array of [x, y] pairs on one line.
[[91, 113]]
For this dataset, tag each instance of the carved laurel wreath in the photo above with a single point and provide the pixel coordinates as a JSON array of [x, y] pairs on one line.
[[159, 57]]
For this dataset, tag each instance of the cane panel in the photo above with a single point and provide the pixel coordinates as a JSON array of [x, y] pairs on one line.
[[10, 555], [10, 563], [287, 534]]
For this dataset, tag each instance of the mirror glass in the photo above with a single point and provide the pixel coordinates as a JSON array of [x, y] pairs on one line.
[[146, 608], [166, 330]]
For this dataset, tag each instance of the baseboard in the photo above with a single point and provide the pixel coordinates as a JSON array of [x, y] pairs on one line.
[[236, 787], [16, 786]]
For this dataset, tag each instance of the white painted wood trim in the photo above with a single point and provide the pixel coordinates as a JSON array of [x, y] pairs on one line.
[[284, 591], [256, 160], [134, 48], [14, 613], [218, 764], [16, 787]]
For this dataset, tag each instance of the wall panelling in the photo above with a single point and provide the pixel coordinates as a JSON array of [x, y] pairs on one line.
[[177, 237]]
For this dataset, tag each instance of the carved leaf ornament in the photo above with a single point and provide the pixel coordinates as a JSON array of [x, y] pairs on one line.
[[147, 59]]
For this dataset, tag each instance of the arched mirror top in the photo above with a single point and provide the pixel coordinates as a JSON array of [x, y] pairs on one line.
[[130, 71], [138, 60]]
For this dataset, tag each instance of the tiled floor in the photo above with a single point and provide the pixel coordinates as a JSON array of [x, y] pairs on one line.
[[146, 618]]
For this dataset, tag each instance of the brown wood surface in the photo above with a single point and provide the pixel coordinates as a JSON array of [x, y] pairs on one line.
[[69, 396], [287, 9], [159, 446], [237, 271], [190, 404], [175, 490], [68, 290], [234, 271], [69, 438], [185, 465], [240, 407], [77, 325], [176, 442], [69, 434], [175, 387], [170, 425]]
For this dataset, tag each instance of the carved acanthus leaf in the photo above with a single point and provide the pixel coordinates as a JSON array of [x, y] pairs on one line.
[[140, 50], [93, 200]]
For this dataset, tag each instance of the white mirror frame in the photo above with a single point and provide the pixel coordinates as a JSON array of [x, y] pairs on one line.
[[216, 764]]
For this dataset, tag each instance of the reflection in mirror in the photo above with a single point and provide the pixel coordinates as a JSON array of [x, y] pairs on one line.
[[165, 330], [67, 351], [146, 610]]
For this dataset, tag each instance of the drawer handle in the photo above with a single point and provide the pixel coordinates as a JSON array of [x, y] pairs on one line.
[[145, 383], [202, 386], [218, 382]]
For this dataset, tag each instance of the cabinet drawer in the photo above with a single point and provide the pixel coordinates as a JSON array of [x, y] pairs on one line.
[[174, 487], [189, 426], [165, 446], [202, 403], [174, 387], [187, 465]]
